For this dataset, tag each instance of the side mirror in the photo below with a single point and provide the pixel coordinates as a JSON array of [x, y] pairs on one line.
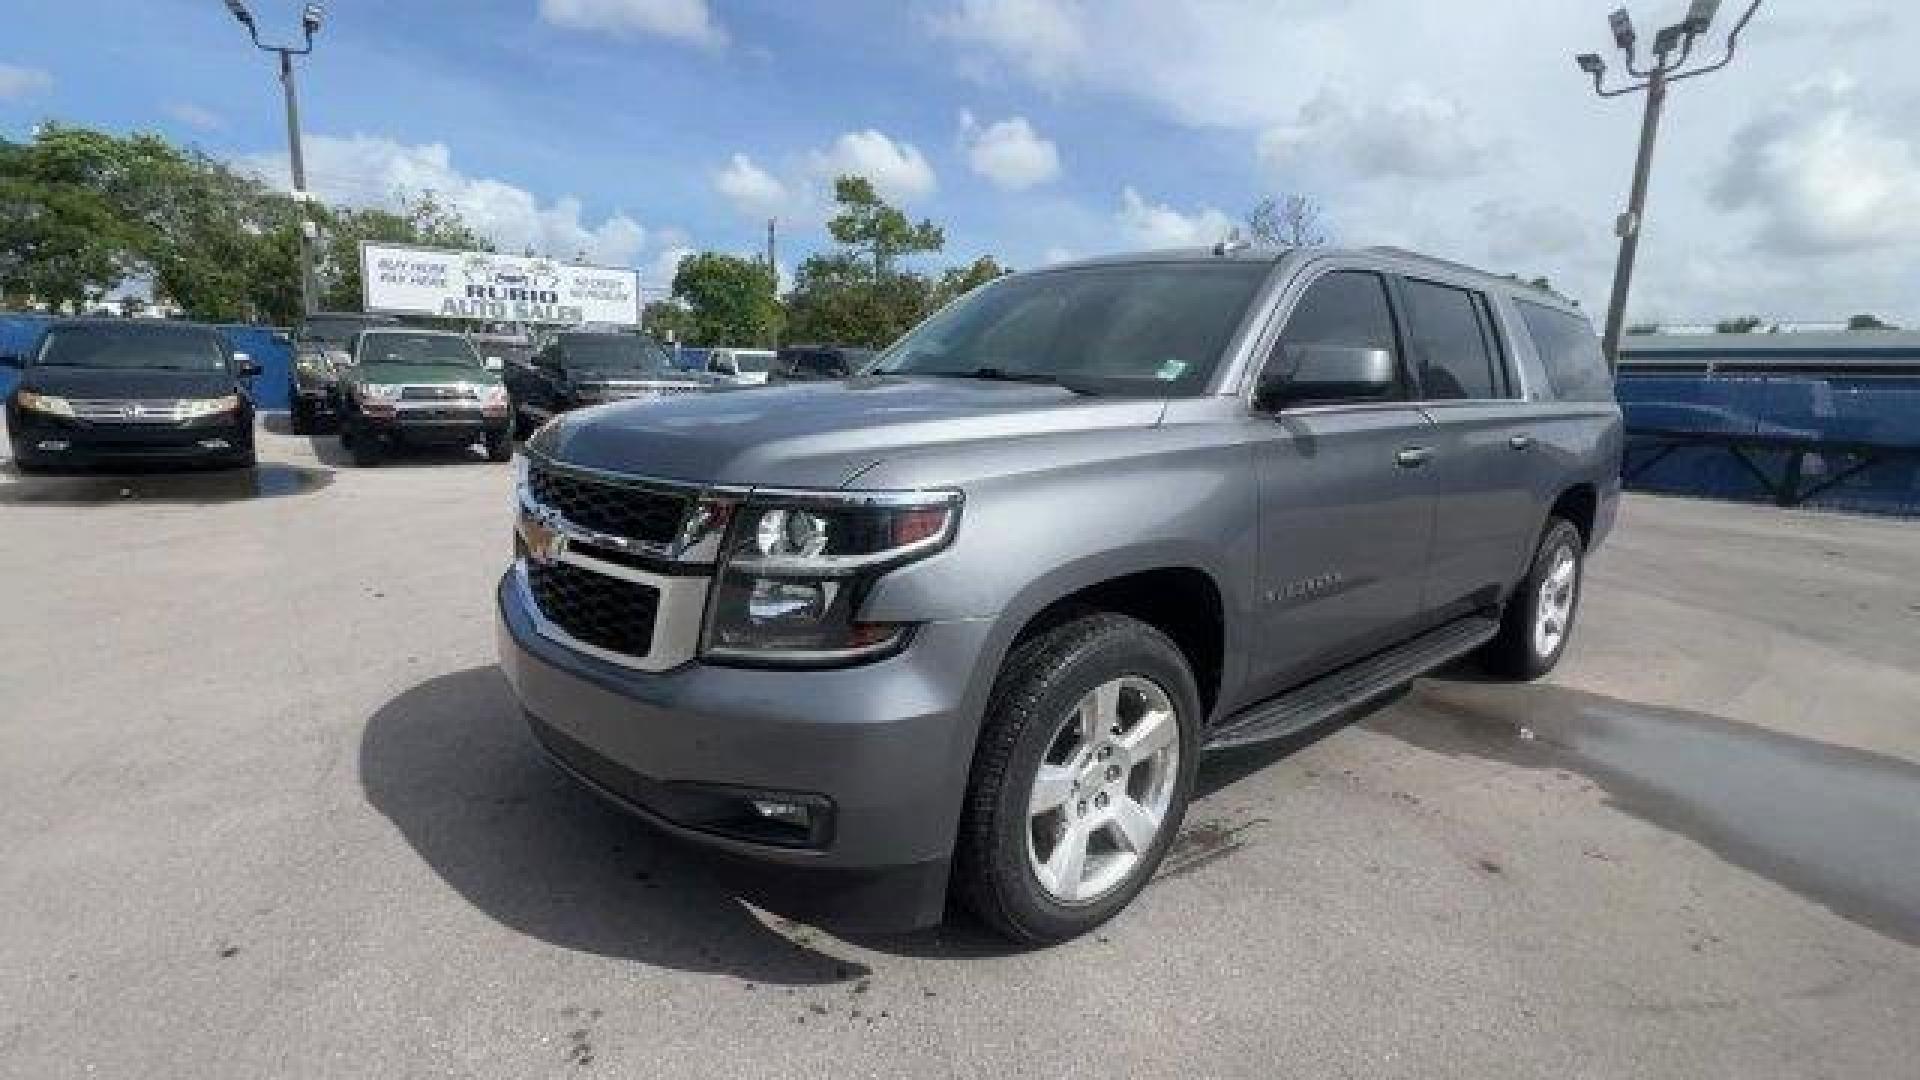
[[284, 340], [1314, 374], [245, 366], [11, 360], [494, 363]]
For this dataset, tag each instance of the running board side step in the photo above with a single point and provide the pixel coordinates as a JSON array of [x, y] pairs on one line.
[[1356, 684]]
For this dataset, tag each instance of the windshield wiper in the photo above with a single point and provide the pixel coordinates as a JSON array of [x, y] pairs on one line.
[[998, 374]]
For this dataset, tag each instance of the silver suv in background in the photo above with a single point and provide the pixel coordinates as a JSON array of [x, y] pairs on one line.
[[968, 621]]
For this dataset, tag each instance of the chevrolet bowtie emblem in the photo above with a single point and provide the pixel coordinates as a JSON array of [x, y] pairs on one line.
[[541, 533]]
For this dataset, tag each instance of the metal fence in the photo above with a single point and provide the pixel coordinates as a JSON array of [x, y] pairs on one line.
[[1841, 440]]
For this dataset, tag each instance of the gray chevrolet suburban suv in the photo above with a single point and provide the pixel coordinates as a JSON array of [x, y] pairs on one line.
[[968, 621]]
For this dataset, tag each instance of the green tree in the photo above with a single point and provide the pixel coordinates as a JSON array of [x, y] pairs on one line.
[[63, 238], [1869, 322], [1643, 328], [868, 223], [1744, 325], [729, 300], [958, 281], [667, 320], [419, 218]]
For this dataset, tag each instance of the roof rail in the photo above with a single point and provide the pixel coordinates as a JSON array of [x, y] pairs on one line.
[[1389, 249]]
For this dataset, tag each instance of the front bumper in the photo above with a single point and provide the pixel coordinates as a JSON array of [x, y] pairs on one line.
[[432, 423], [39, 437], [886, 747]]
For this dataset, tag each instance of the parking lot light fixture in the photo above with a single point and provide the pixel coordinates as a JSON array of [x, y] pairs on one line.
[[310, 17], [1672, 48]]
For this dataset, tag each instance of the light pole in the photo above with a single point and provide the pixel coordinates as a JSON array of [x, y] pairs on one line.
[[1672, 46], [309, 25]]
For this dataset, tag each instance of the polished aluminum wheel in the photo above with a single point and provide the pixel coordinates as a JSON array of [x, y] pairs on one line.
[[1101, 794], [1553, 610]]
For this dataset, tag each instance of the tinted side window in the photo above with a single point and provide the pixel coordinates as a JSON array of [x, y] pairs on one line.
[[1576, 368], [1446, 335], [1347, 308]]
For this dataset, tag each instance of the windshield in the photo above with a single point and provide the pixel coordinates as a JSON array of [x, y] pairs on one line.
[[387, 348], [614, 352], [334, 331], [173, 348], [1143, 328], [753, 363]]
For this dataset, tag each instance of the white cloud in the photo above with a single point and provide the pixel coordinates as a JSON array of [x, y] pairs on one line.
[[1414, 133], [1044, 38], [1157, 225], [20, 82], [1824, 173], [900, 173], [370, 171], [196, 116], [752, 190], [1055, 255], [1520, 232], [1009, 153], [690, 21]]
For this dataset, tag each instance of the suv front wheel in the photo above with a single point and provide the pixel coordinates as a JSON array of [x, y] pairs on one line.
[[1081, 778]]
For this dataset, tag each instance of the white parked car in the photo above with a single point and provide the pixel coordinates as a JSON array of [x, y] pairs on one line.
[[742, 367]]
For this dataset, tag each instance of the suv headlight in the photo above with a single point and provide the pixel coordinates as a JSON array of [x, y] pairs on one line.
[[379, 391], [492, 398], [197, 407], [795, 570], [45, 403]]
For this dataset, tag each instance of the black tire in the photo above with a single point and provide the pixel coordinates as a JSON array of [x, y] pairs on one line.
[[1040, 684], [300, 417], [1516, 652], [523, 425], [364, 449], [500, 446], [29, 466]]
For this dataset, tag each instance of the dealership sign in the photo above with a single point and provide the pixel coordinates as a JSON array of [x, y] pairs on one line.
[[497, 288]]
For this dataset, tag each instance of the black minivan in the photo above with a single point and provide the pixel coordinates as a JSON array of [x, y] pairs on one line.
[[119, 391]]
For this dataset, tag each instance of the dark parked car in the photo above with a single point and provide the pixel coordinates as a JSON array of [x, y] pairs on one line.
[[593, 368], [409, 387], [972, 618], [814, 363], [321, 347], [116, 391]]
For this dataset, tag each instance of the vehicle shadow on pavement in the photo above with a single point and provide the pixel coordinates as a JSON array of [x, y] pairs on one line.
[[451, 764], [166, 485], [324, 441]]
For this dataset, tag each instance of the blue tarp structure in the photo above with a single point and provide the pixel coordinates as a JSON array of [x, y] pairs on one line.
[[19, 332], [1826, 420]]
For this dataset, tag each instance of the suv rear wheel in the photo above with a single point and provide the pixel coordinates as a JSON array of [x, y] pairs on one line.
[[1538, 619], [1081, 778]]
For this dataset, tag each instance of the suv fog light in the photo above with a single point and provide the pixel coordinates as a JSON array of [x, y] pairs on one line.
[[215, 444], [51, 444]]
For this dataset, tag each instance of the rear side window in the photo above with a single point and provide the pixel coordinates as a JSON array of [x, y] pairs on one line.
[[1347, 309], [1448, 334], [1576, 369]]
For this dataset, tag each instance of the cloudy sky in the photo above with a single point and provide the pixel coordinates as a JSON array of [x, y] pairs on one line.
[[635, 130]]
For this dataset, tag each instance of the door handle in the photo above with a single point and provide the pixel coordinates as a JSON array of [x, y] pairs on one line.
[[1520, 442], [1413, 457]]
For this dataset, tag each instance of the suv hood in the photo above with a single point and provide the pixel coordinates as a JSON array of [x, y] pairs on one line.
[[420, 374], [822, 434], [144, 383]]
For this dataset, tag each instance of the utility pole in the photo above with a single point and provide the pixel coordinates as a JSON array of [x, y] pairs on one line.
[[773, 265], [1672, 47], [310, 17]]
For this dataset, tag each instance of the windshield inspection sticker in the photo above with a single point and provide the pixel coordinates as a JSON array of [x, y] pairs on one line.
[[1170, 370]]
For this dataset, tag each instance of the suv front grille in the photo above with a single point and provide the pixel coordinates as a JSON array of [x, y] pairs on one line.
[[605, 612], [435, 393], [638, 514]]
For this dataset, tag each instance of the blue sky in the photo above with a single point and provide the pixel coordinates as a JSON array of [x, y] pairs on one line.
[[633, 130]]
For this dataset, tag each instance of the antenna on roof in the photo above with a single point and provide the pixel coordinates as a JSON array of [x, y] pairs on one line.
[[1234, 242]]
